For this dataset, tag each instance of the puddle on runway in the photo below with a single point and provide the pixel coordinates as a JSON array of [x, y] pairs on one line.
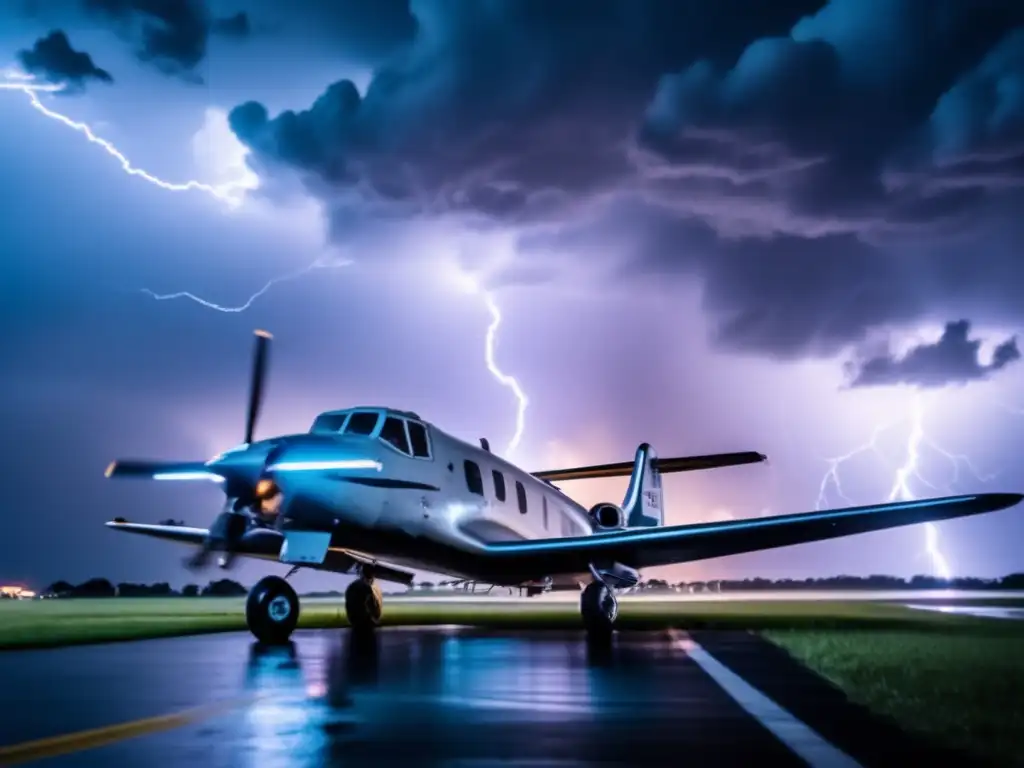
[[983, 611]]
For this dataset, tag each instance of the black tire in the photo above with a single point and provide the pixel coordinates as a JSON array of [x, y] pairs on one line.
[[272, 610], [599, 609], [364, 605]]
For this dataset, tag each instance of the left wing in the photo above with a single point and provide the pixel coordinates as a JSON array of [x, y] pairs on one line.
[[650, 547], [266, 544]]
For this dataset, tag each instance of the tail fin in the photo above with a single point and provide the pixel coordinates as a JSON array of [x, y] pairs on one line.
[[643, 503]]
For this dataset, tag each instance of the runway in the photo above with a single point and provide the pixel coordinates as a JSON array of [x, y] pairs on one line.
[[435, 697]]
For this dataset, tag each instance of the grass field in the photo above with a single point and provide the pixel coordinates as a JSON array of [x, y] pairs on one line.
[[49, 623], [962, 689], [957, 679]]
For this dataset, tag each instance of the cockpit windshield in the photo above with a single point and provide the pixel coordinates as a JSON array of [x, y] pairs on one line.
[[401, 430], [347, 422]]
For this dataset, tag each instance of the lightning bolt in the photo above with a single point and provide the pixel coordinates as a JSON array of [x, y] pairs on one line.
[[231, 192], [503, 378], [906, 474], [320, 263]]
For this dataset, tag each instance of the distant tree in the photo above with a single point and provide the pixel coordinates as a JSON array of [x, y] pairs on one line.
[[171, 521], [224, 588], [94, 588], [59, 588], [190, 590], [1013, 581], [427, 585]]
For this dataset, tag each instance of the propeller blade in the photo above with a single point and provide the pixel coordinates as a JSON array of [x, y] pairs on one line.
[[259, 367], [161, 470], [223, 537]]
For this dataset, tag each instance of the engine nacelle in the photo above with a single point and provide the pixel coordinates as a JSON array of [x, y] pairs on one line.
[[607, 517]]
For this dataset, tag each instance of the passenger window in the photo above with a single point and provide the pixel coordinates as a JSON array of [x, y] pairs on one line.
[[362, 423], [521, 497], [544, 508], [474, 480], [499, 485], [418, 440], [393, 433]]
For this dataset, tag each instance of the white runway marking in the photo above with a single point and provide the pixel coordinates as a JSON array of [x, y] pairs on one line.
[[795, 734]]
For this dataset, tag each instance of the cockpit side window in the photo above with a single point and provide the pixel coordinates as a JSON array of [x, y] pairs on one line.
[[362, 423], [329, 422], [393, 433], [418, 440]]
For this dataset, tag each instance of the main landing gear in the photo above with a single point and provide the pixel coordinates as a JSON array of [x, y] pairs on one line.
[[364, 602], [599, 609]]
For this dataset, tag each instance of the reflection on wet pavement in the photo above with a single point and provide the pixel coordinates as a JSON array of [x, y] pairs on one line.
[[421, 697]]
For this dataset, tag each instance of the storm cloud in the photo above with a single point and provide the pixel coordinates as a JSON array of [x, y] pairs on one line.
[[171, 34], [53, 59], [806, 162], [953, 359]]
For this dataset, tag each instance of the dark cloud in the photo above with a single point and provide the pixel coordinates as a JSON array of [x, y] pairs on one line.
[[953, 359], [171, 34], [53, 58], [236, 25], [812, 163]]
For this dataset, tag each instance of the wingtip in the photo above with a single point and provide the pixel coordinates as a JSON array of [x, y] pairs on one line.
[[111, 467], [263, 334], [1003, 500]]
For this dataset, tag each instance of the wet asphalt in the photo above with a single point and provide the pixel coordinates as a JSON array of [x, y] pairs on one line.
[[416, 697]]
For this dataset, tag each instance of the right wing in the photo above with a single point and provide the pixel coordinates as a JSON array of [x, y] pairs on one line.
[[265, 544], [665, 466], [650, 547]]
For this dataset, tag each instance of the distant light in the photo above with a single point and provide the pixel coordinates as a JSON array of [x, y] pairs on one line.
[[313, 466], [188, 476]]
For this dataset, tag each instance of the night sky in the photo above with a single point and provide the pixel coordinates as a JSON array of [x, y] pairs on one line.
[[711, 226]]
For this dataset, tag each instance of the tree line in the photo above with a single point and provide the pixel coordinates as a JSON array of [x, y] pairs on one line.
[[229, 588]]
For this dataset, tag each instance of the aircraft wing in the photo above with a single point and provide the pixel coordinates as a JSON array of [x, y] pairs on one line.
[[266, 544], [665, 466], [650, 547]]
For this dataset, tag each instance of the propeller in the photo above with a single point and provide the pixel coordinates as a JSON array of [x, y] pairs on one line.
[[229, 527]]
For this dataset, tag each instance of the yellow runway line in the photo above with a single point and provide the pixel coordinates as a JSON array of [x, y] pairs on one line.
[[54, 746]]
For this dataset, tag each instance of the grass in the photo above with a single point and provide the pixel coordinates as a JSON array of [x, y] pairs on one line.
[[962, 688], [51, 623]]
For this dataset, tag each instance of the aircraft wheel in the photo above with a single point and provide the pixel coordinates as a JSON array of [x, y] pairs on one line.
[[599, 609], [364, 604], [272, 610]]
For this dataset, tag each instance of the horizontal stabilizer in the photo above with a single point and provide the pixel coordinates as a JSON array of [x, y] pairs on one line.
[[679, 464], [161, 470]]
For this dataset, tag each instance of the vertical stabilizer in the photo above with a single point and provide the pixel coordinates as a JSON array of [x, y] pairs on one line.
[[643, 503]]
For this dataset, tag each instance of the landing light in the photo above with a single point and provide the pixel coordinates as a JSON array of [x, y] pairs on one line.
[[312, 466], [188, 476]]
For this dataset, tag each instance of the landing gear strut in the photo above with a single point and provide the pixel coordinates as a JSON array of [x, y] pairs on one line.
[[599, 609], [272, 610], [364, 602]]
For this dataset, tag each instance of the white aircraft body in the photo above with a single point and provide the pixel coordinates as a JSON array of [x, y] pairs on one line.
[[380, 493]]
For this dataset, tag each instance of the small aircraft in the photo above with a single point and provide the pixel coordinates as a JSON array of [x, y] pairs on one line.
[[380, 493]]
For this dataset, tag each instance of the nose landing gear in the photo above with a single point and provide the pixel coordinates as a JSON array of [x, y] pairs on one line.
[[272, 610]]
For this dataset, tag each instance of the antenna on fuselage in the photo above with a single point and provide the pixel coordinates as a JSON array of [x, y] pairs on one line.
[[485, 445]]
